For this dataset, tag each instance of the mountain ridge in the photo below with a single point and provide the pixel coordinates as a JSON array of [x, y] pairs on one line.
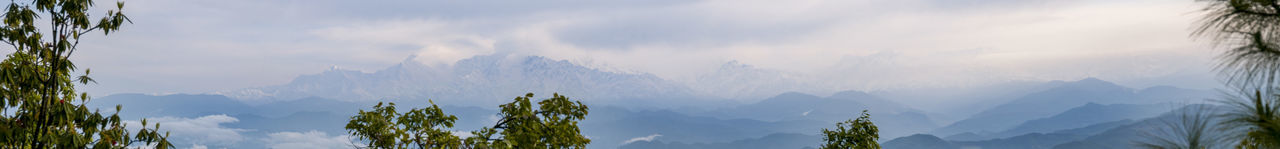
[[480, 80], [1059, 99]]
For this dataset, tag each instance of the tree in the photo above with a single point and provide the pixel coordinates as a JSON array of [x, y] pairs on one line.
[[553, 125], [420, 128], [1254, 120], [1249, 29], [41, 107], [852, 134], [1251, 64], [1191, 127]]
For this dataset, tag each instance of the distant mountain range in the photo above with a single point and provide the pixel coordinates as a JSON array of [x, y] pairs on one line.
[[773, 141], [950, 104], [611, 127], [893, 118], [738, 106], [1059, 99], [1109, 135], [1088, 114], [734, 80], [783, 120], [1088, 126], [487, 79], [477, 81], [608, 126]]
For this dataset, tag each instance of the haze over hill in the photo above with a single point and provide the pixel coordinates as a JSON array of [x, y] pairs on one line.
[[659, 73], [480, 80], [630, 106], [1069, 95]]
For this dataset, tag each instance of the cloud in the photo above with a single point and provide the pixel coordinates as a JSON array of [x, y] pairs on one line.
[[307, 140], [462, 134], [935, 43], [961, 44], [200, 130], [1120, 41], [436, 41], [644, 138]]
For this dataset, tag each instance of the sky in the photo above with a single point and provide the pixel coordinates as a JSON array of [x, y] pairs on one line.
[[185, 46]]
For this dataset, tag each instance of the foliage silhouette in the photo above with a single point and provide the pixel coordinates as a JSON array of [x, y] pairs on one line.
[[553, 125], [852, 134], [1251, 64], [1190, 128], [1253, 120], [421, 128], [1249, 29], [42, 107]]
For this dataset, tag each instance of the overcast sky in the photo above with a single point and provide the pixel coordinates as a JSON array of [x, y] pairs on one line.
[[188, 46]]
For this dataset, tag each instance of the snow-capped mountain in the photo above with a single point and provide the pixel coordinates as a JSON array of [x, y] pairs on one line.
[[735, 80], [480, 80]]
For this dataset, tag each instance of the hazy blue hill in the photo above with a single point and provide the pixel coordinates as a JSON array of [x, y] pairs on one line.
[[1109, 135], [772, 141], [871, 102], [1116, 138], [788, 120], [1157, 94], [1125, 136], [180, 105], [1059, 99], [919, 141], [1086, 115], [963, 102], [1096, 128], [609, 127], [967, 136], [478, 81], [312, 104], [297, 122], [188, 105], [1040, 104], [1027, 141], [894, 119], [785, 105]]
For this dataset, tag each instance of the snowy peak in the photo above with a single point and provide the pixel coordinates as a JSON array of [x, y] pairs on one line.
[[737, 80], [480, 80]]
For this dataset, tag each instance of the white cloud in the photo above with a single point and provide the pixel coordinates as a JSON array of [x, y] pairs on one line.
[[933, 47], [462, 134], [644, 138], [143, 146], [937, 43], [201, 130], [436, 41], [308, 140], [493, 118]]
